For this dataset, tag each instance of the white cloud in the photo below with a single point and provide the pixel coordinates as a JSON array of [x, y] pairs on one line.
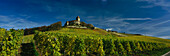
[[151, 24], [5, 19], [165, 4], [17, 23], [161, 23], [153, 27], [165, 37], [136, 18], [116, 21], [148, 6]]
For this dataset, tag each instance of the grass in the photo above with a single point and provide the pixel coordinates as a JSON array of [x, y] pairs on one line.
[[29, 48], [28, 39], [81, 31]]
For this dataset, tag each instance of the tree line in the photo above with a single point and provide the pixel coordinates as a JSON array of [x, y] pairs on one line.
[[55, 26]]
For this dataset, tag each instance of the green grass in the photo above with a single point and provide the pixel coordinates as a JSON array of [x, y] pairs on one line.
[[28, 39], [81, 31]]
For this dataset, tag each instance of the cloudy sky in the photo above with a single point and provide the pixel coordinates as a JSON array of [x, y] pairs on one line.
[[149, 17]]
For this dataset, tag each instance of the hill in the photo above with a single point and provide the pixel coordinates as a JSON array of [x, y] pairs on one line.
[[95, 38], [100, 33], [104, 33], [77, 41]]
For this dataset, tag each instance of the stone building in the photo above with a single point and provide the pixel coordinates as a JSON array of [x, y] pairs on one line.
[[73, 22], [77, 24]]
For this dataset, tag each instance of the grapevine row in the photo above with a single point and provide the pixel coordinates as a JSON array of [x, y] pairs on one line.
[[69, 44], [10, 42]]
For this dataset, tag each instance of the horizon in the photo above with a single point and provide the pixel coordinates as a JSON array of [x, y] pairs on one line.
[[147, 17]]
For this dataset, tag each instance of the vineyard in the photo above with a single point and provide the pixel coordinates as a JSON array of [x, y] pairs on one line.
[[59, 43], [79, 42], [10, 42]]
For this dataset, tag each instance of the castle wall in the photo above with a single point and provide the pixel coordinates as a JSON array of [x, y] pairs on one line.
[[76, 27]]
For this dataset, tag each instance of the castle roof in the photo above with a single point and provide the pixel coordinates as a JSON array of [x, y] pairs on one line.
[[77, 17]]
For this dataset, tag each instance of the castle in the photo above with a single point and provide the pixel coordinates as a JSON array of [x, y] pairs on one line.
[[78, 24], [73, 22]]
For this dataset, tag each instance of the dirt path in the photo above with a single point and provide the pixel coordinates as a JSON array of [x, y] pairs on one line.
[[167, 54]]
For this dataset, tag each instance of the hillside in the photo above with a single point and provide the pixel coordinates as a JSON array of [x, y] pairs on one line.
[[101, 41], [103, 32], [85, 34]]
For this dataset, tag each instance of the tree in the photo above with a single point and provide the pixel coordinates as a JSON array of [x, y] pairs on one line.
[[56, 26], [83, 24], [89, 25]]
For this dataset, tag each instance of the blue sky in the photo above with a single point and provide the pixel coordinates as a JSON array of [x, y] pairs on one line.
[[150, 17]]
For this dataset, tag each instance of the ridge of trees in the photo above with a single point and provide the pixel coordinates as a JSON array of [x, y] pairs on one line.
[[54, 26]]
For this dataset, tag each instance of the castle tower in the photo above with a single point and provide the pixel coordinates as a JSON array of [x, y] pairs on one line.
[[78, 18], [67, 23]]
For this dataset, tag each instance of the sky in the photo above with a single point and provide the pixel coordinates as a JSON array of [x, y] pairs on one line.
[[148, 17]]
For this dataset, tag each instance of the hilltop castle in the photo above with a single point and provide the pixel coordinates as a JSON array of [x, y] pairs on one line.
[[77, 24], [73, 22]]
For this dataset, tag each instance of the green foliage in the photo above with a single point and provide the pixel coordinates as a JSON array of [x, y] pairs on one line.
[[139, 48], [109, 47], [48, 45], [89, 26], [127, 47], [80, 43], [143, 46], [80, 49], [133, 46], [100, 48], [69, 42], [55, 26], [120, 47], [83, 24], [10, 42]]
